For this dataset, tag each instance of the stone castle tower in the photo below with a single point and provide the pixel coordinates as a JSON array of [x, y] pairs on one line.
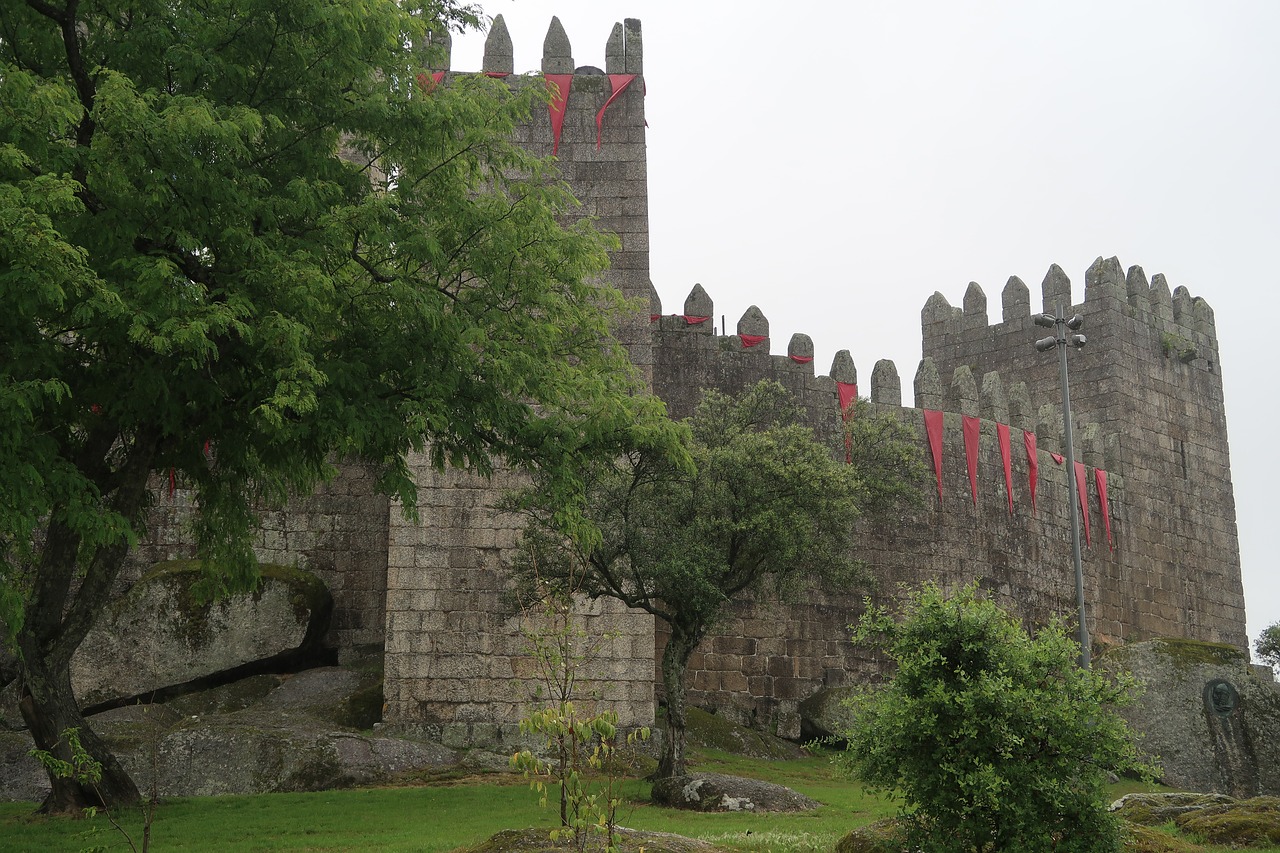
[[1148, 405]]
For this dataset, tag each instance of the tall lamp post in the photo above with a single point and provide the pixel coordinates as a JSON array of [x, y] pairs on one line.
[[1061, 326]]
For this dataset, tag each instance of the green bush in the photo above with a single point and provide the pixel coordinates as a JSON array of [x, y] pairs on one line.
[[995, 739]]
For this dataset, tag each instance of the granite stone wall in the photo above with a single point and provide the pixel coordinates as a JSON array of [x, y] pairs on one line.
[[339, 533], [1148, 409], [457, 665], [1148, 406]]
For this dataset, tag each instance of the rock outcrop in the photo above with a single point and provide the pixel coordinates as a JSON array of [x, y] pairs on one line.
[[1204, 713], [134, 651], [714, 792]]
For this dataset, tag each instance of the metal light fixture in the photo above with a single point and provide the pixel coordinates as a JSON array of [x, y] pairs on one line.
[[1060, 339]]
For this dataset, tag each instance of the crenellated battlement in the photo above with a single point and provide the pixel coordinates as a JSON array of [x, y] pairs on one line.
[[624, 50], [1177, 324], [1149, 425]]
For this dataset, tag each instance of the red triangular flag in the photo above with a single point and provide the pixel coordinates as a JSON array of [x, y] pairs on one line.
[[848, 392], [1100, 480], [1058, 457], [1033, 465], [1084, 501], [972, 430], [558, 85], [620, 82], [848, 395], [1002, 436], [933, 427]]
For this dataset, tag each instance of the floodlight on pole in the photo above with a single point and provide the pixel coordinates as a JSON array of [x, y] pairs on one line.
[[1061, 324]]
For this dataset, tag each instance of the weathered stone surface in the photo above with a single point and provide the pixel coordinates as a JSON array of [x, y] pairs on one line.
[[1154, 809], [539, 841], [21, 776], [1251, 823], [248, 754], [160, 635], [270, 734], [826, 713], [714, 792], [1214, 726]]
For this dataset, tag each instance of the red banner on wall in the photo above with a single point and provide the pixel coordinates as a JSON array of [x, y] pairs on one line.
[[693, 320], [972, 431], [1100, 480], [801, 359], [1084, 500], [848, 393], [620, 82], [933, 428], [753, 340], [1033, 465], [558, 85], [1002, 435]]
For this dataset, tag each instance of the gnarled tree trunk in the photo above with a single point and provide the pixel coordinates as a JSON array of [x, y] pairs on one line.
[[61, 607], [49, 708], [675, 661]]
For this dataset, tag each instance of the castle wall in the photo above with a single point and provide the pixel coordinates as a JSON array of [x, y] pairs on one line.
[[1150, 379], [1148, 411], [456, 661], [339, 533], [458, 665], [1147, 398]]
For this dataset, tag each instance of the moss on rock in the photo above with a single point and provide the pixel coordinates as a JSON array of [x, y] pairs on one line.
[[1249, 822]]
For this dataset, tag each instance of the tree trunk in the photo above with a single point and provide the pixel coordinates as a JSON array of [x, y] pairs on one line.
[[49, 708], [675, 660], [67, 593]]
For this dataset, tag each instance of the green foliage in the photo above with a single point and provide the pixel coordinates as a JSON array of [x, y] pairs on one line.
[[763, 501], [1268, 645], [86, 770], [994, 739], [764, 506], [579, 743], [1172, 344], [186, 258]]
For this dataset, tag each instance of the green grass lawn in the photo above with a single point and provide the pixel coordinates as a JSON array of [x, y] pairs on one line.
[[444, 816]]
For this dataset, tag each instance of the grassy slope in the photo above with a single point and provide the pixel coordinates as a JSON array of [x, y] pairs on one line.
[[445, 816]]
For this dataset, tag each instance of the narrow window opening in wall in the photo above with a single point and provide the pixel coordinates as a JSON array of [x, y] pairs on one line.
[[1182, 456]]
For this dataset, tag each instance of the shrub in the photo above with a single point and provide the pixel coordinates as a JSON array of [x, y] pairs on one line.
[[995, 739]]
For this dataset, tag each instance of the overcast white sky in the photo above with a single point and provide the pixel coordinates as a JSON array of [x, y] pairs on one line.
[[835, 163]]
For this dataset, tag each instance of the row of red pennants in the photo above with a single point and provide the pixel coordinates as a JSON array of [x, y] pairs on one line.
[[558, 85], [748, 341], [972, 428]]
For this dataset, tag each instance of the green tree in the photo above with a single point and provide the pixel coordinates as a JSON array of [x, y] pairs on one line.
[[1268, 645], [185, 258], [995, 739], [763, 508]]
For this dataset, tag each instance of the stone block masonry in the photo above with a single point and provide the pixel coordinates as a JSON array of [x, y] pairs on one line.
[[1147, 398]]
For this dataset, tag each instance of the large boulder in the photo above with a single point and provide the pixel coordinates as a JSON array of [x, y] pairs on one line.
[[263, 734], [21, 776], [715, 792], [1204, 713], [163, 634], [826, 714]]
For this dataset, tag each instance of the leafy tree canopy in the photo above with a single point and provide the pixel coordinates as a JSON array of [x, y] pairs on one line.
[[993, 738], [1268, 645], [764, 507], [185, 257]]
